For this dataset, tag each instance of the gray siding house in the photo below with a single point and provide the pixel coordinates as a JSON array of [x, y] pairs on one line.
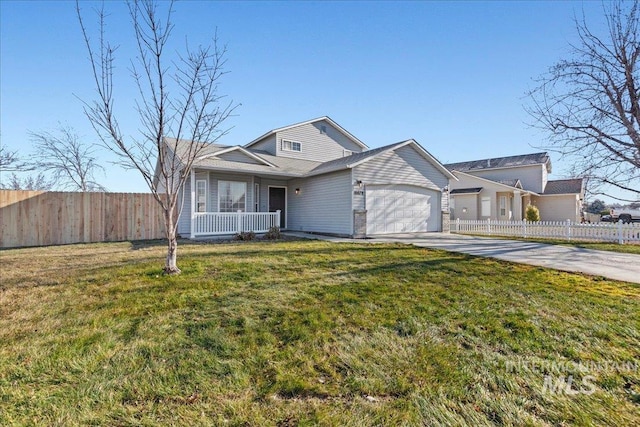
[[314, 176]]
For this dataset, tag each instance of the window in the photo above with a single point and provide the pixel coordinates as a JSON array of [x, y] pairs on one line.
[[232, 196], [346, 153], [201, 195], [256, 197], [503, 206], [291, 145], [485, 207]]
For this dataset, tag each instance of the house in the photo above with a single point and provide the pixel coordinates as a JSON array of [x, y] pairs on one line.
[[501, 189], [314, 176]]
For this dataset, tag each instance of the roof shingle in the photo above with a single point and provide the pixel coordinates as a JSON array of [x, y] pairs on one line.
[[500, 162], [564, 186]]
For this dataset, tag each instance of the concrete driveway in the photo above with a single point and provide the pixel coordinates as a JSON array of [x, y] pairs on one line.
[[612, 265]]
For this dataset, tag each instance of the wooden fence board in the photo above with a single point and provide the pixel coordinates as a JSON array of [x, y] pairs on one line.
[[36, 218]]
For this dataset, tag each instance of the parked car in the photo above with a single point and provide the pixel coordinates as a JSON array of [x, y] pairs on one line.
[[626, 218]]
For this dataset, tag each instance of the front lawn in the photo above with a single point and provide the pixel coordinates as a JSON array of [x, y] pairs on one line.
[[308, 333]]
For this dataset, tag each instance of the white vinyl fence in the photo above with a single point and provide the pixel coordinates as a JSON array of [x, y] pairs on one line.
[[600, 232], [211, 223]]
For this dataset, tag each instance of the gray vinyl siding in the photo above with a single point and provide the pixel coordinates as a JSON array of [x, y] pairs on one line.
[[268, 144], [316, 145], [212, 178], [323, 205], [184, 220], [237, 156], [531, 177], [402, 166]]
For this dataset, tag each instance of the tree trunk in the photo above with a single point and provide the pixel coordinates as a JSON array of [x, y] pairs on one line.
[[170, 265]]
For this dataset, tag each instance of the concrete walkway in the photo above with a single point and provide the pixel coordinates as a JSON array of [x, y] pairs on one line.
[[612, 265]]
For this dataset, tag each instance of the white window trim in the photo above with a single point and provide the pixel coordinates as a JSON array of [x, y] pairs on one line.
[[486, 200], [256, 196], [503, 206], [198, 181], [245, 192], [284, 144]]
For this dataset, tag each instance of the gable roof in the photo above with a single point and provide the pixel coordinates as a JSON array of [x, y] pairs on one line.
[[236, 148], [510, 182], [498, 183], [564, 186], [360, 158], [325, 118], [502, 162]]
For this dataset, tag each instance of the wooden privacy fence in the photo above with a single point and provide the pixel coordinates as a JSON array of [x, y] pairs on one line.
[[600, 232], [37, 218]]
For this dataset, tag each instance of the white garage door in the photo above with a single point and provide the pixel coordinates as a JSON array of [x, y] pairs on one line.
[[402, 209]]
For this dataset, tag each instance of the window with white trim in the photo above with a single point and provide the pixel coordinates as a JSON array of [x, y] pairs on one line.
[[503, 205], [485, 206], [291, 145], [232, 196], [201, 195]]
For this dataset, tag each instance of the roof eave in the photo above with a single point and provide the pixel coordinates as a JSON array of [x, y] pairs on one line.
[[522, 190]]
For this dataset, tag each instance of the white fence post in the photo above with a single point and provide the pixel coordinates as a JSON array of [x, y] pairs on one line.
[[524, 228], [278, 218], [568, 229], [620, 239], [489, 226], [239, 221]]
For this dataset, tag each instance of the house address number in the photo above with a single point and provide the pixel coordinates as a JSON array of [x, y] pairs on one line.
[[358, 192]]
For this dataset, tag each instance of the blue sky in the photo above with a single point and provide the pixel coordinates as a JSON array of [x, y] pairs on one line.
[[452, 75]]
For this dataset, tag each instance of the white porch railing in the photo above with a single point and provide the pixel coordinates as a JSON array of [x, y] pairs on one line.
[[601, 232], [210, 223]]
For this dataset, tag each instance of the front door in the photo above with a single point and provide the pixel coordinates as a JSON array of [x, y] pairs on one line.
[[278, 202]]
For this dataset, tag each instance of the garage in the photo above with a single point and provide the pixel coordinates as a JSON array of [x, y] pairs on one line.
[[402, 209]]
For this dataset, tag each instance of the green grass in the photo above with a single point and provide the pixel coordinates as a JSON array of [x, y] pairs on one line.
[[627, 248], [308, 333]]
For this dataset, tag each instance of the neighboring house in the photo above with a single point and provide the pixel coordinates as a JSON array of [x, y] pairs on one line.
[[315, 176], [501, 188]]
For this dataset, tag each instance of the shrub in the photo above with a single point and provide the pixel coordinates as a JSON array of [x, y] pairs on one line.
[[245, 236], [273, 233], [532, 214]]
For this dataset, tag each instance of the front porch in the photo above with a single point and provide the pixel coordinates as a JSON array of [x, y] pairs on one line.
[[225, 203], [220, 223]]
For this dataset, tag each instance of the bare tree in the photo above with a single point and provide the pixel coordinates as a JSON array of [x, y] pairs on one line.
[[70, 161], [590, 103], [178, 98], [10, 161], [30, 182]]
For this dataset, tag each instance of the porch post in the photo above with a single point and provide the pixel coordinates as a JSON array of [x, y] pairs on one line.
[[193, 204], [517, 205]]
